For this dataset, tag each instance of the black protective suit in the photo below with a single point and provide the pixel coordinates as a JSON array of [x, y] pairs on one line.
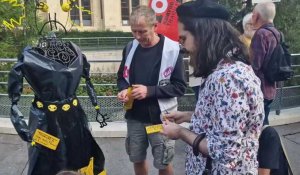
[[55, 109]]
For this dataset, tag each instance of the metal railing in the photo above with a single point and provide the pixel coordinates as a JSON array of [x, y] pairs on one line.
[[100, 43], [111, 106]]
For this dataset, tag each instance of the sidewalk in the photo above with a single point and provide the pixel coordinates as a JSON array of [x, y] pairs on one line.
[[13, 156], [13, 151]]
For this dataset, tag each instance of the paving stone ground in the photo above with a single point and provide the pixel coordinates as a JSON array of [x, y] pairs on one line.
[[13, 153]]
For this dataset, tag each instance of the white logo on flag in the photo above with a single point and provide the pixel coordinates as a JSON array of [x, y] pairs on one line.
[[162, 9]]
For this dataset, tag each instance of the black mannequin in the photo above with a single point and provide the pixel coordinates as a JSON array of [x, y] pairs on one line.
[[54, 69], [57, 50]]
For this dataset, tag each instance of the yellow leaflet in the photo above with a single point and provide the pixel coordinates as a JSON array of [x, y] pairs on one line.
[[45, 139], [153, 128], [88, 170], [12, 22]]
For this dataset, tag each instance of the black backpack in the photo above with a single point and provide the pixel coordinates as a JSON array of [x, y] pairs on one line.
[[279, 65]]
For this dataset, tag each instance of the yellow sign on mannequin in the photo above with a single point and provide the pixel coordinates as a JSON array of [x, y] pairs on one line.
[[45, 139]]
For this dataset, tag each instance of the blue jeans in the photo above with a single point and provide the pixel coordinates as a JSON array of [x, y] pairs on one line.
[[267, 108]]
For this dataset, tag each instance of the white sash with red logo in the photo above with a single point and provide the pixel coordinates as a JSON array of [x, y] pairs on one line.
[[168, 61]]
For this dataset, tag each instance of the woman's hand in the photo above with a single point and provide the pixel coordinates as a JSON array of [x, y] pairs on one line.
[[178, 117], [171, 130]]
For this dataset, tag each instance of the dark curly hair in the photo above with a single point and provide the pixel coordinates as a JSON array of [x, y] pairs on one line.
[[215, 39]]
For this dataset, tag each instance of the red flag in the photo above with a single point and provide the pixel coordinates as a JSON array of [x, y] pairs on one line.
[[166, 16]]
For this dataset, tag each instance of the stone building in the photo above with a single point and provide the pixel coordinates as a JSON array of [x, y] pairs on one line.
[[97, 15]]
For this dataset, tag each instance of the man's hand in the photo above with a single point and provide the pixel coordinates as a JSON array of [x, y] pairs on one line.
[[139, 92], [178, 117], [171, 130], [122, 96]]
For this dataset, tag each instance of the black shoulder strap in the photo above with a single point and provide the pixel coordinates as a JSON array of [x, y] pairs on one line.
[[281, 37]]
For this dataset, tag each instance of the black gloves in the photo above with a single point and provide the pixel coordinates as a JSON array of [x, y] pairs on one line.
[[102, 121], [19, 123]]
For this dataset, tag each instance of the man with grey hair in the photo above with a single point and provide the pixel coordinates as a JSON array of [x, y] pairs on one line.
[[270, 157], [152, 75], [262, 46]]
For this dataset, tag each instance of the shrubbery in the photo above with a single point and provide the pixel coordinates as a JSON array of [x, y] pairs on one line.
[[78, 34]]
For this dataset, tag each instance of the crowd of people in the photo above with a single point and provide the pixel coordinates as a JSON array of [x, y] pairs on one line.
[[228, 133], [233, 98]]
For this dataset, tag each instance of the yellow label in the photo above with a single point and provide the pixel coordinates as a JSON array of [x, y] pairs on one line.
[[88, 170], [153, 128], [45, 139]]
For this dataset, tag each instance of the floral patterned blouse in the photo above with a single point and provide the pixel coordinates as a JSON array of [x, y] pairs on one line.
[[230, 112]]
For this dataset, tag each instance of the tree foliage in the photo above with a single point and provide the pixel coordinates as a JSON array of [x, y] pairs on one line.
[[7, 37], [20, 31], [287, 18], [12, 41]]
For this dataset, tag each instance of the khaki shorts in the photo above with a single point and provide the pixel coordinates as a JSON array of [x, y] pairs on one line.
[[137, 142]]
